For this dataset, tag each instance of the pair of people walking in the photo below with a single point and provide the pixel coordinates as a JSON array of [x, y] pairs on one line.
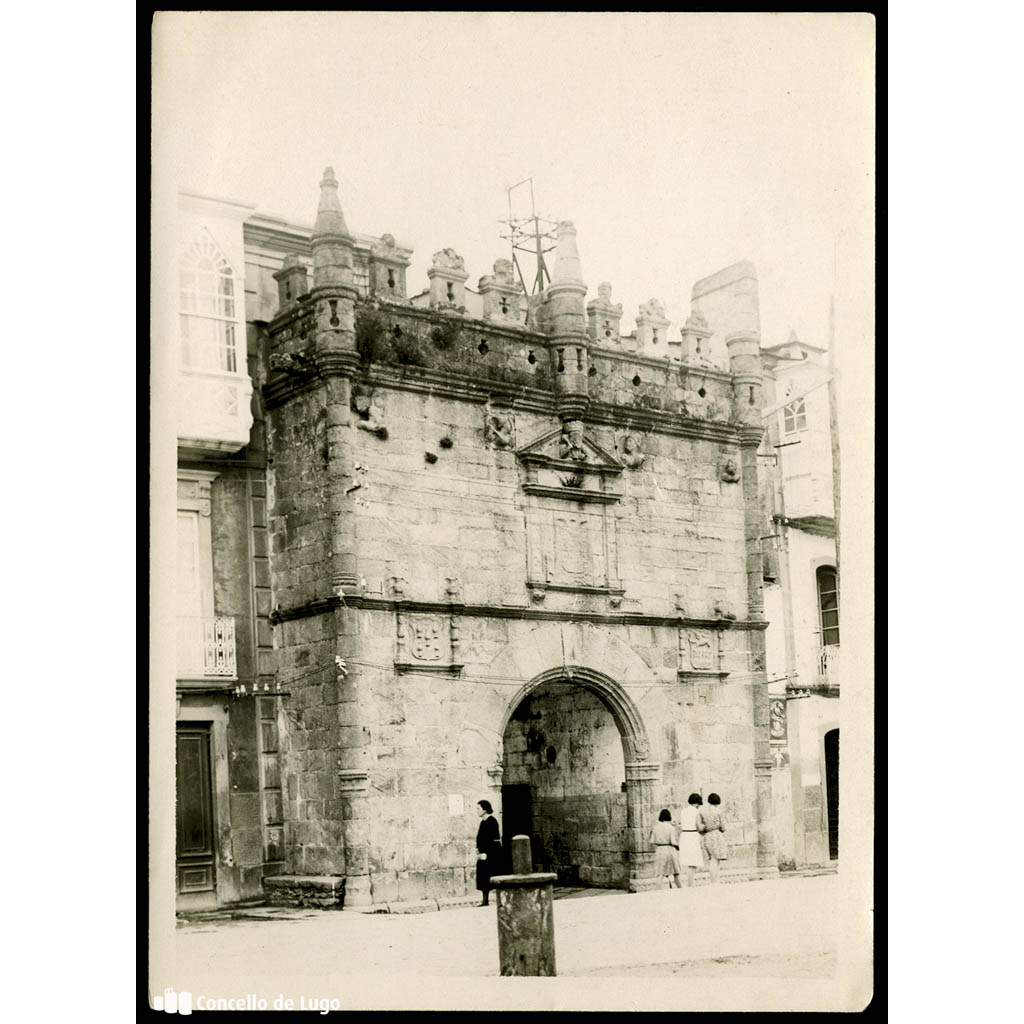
[[700, 834]]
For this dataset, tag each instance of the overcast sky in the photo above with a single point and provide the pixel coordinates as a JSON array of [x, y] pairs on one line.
[[677, 143]]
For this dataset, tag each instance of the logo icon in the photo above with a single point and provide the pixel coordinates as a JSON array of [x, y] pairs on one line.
[[173, 1002]]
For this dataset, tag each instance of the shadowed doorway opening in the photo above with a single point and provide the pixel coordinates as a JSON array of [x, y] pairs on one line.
[[564, 785], [832, 791]]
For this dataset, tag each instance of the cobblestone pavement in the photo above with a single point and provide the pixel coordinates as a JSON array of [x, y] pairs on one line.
[[772, 929]]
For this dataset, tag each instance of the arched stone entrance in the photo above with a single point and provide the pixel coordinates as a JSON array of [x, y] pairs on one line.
[[574, 713]]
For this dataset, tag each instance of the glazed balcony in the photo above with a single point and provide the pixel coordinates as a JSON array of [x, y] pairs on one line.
[[206, 649], [214, 391], [214, 411]]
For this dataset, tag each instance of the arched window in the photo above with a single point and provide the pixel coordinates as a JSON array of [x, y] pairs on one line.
[[207, 308], [828, 605]]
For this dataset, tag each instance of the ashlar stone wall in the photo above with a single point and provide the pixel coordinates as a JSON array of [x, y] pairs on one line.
[[463, 513]]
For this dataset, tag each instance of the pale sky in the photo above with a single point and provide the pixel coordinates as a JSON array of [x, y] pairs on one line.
[[677, 143]]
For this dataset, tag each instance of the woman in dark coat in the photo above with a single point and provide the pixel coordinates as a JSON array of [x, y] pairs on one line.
[[488, 849]]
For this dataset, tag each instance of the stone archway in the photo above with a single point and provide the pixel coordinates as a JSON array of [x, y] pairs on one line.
[[641, 773]]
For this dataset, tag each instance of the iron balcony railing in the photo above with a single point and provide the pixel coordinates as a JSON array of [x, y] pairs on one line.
[[206, 648]]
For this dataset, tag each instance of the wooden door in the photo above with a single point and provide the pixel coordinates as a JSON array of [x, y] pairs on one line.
[[195, 869], [832, 791]]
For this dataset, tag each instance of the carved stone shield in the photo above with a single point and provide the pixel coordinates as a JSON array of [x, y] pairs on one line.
[[426, 645], [701, 653], [573, 546]]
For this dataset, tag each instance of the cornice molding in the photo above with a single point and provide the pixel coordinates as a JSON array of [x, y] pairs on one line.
[[403, 668], [573, 494], [485, 611], [479, 392]]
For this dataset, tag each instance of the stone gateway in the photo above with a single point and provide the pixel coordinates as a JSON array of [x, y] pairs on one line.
[[537, 615]]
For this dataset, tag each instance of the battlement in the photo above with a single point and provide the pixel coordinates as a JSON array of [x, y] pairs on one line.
[[506, 360], [550, 350]]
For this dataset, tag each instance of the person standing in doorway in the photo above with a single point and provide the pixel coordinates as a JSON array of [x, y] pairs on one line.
[[488, 850], [709, 824], [666, 848], [690, 855]]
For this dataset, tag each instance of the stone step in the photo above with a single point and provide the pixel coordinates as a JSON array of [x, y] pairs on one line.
[[292, 892]]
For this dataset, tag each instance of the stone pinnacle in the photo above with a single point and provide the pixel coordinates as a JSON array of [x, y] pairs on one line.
[[329, 218], [567, 258]]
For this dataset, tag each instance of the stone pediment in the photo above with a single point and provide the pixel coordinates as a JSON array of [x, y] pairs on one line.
[[567, 463]]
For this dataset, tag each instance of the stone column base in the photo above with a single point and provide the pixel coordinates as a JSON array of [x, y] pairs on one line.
[[645, 884], [358, 893]]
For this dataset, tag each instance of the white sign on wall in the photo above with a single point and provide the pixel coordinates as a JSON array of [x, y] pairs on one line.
[[456, 805]]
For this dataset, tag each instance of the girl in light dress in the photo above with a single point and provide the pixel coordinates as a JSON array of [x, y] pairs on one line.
[[690, 855], [709, 824], [666, 848]]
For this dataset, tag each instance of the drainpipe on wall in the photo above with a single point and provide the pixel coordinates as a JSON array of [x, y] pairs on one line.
[[789, 637], [833, 414]]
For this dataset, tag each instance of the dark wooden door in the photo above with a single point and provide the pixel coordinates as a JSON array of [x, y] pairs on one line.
[[516, 815], [194, 810], [832, 790]]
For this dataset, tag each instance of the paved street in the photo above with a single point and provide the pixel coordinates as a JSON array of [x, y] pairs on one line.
[[739, 933]]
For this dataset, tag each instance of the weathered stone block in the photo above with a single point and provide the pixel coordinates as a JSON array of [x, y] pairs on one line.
[[245, 810], [411, 886], [247, 846], [384, 887]]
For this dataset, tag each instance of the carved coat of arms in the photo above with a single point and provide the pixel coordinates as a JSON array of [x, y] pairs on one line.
[[701, 653], [426, 640], [573, 546]]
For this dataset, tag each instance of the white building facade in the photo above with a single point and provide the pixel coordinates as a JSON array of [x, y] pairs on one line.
[[802, 603]]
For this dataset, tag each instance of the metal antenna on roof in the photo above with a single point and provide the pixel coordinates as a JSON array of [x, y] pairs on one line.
[[528, 235]]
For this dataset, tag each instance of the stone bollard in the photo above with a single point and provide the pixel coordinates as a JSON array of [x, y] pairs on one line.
[[526, 924]]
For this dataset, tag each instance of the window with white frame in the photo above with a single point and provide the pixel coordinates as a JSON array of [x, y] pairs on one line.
[[828, 605], [794, 417], [207, 308]]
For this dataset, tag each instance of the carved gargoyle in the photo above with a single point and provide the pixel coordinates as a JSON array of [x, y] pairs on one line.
[[369, 417], [500, 430], [728, 470], [287, 362], [722, 611], [570, 444], [632, 456]]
